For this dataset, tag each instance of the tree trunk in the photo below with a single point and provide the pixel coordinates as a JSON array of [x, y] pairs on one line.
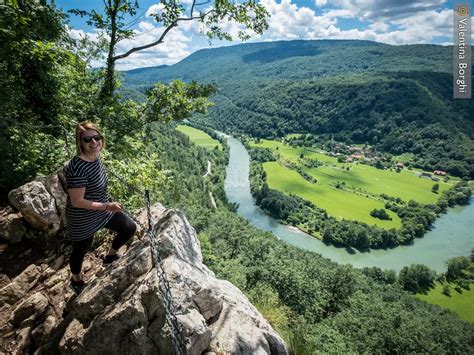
[[108, 87]]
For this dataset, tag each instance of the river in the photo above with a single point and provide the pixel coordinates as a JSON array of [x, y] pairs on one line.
[[451, 235]]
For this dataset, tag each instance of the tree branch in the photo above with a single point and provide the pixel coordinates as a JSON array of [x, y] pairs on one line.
[[160, 40], [135, 49]]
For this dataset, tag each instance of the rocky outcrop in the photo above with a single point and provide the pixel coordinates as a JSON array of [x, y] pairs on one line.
[[122, 308], [37, 206], [12, 228]]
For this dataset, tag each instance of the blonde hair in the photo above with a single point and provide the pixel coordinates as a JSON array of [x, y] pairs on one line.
[[81, 128]]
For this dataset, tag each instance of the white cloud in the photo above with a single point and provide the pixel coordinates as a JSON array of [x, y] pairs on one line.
[[288, 21], [387, 9], [320, 2], [154, 9], [173, 48]]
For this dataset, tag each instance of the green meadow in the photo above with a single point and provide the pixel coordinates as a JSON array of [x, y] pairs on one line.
[[404, 184], [293, 153], [361, 189], [199, 137], [460, 303], [338, 203]]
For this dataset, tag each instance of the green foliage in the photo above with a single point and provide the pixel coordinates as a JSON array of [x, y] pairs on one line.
[[396, 98], [416, 278], [270, 306], [457, 267], [177, 100], [138, 169], [113, 25], [381, 214], [30, 89]]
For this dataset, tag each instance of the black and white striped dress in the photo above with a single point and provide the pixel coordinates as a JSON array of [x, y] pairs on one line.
[[83, 223]]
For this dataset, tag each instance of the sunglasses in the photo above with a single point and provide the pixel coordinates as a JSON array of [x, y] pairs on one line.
[[88, 139]]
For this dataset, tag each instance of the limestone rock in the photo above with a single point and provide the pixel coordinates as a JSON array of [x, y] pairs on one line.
[[32, 308], [20, 285], [12, 227], [122, 308], [37, 206], [55, 187], [43, 329]]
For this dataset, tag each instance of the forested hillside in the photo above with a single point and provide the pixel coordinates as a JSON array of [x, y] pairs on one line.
[[47, 87], [397, 98]]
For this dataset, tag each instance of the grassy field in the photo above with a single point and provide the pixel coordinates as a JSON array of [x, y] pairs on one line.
[[338, 203], [404, 184], [363, 184], [461, 303], [199, 137], [293, 153]]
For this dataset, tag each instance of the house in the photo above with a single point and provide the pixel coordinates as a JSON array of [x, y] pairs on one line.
[[357, 156], [440, 172], [400, 165]]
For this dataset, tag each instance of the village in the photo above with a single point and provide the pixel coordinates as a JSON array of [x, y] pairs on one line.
[[366, 154]]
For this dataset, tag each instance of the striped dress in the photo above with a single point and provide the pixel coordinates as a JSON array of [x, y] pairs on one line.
[[83, 223]]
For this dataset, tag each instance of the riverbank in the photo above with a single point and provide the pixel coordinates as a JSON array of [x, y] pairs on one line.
[[451, 235]]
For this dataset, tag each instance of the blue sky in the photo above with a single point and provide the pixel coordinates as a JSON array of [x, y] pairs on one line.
[[395, 22]]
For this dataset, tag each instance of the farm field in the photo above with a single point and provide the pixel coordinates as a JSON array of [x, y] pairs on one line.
[[460, 303], [404, 184], [293, 153], [362, 184], [199, 137], [338, 203]]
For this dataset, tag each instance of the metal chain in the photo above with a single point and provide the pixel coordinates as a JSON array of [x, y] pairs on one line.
[[179, 343]]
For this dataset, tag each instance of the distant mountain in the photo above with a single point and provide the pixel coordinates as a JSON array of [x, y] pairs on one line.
[[398, 98]]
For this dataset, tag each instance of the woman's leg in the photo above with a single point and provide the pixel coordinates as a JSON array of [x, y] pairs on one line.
[[79, 250], [125, 228]]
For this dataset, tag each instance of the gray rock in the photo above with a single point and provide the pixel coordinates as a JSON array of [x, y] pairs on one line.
[[42, 330], [20, 285], [209, 302], [58, 262], [122, 308], [37, 206], [54, 186], [32, 308], [12, 227]]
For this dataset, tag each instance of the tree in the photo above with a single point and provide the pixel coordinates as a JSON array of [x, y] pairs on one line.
[[32, 74], [456, 266], [435, 188], [211, 14], [416, 277]]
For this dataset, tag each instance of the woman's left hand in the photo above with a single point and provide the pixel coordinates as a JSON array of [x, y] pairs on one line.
[[114, 207]]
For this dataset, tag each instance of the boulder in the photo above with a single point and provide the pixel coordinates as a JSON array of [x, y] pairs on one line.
[[125, 307], [20, 285], [55, 187], [33, 307], [12, 228], [37, 206]]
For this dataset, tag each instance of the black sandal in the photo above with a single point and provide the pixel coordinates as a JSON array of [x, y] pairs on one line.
[[108, 259], [77, 286]]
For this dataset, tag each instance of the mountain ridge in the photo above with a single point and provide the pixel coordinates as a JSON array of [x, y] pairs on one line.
[[397, 98]]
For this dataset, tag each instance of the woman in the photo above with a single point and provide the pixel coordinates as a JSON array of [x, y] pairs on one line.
[[88, 208]]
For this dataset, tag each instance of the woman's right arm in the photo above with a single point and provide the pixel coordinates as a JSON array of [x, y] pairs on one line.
[[76, 195]]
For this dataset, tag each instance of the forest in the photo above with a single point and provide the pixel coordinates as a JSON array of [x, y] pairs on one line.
[[396, 98], [47, 85]]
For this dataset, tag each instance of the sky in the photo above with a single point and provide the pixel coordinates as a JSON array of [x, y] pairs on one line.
[[395, 22]]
